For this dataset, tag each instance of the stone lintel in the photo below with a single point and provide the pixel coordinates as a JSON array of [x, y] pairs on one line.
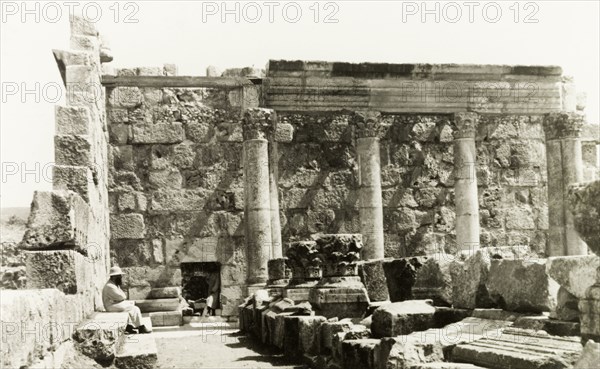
[[258, 123], [563, 125]]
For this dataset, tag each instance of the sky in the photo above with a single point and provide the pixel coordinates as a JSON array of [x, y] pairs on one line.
[[194, 35]]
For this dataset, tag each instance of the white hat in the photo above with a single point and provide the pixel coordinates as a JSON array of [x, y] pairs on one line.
[[115, 271]]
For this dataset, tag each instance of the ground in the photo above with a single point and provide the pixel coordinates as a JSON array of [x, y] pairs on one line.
[[195, 347]]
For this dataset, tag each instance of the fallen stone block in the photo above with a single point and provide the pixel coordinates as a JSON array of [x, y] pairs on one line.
[[498, 314], [359, 354], [401, 352], [58, 219], [470, 272], [400, 275], [278, 331], [356, 332], [574, 273], [100, 336], [329, 329], [149, 306], [434, 281], [401, 318], [137, 351], [344, 302], [520, 349], [372, 275], [552, 326], [309, 329], [566, 306], [522, 285]]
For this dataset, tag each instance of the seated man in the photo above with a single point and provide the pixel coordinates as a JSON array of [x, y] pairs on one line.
[[114, 300]]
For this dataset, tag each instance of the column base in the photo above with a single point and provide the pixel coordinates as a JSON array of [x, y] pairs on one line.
[[350, 302], [299, 292]]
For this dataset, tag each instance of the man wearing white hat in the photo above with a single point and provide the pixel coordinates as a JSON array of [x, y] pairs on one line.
[[115, 300]]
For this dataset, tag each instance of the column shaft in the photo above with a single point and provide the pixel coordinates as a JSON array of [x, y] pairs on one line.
[[368, 129], [465, 183], [277, 247], [564, 164], [371, 204], [257, 200]]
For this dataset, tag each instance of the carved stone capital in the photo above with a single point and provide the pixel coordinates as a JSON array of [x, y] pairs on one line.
[[466, 124], [258, 123], [339, 253], [367, 122], [563, 125], [304, 260]]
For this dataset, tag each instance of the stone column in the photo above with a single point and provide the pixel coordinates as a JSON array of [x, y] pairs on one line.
[[277, 247], [565, 167], [465, 182], [368, 127], [257, 202]]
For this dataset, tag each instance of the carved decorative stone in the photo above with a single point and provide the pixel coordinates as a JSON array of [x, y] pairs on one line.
[[258, 123], [340, 293], [563, 125], [368, 123], [466, 124], [305, 265]]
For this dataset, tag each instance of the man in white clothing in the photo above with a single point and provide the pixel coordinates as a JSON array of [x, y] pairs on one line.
[[115, 300]]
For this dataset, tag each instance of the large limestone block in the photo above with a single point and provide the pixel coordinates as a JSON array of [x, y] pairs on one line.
[[574, 273], [356, 332], [331, 328], [57, 219], [157, 133], [359, 354], [470, 272], [401, 352], [309, 328], [148, 306], [404, 317], [35, 322], [520, 349], [434, 281], [372, 275], [127, 226], [66, 270], [522, 285]]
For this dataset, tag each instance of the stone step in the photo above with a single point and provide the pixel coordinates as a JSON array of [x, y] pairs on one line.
[[99, 336], [137, 351], [164, 293], [165, 318], [154, 305], [520, 349], [445, 365]]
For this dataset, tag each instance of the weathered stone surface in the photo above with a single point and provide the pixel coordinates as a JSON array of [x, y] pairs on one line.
[[566, 306], [66, 270], [400, 275], [99, 336], [434, 281], [359, 354], [522, 285], [553, 327], [519, 348], [57, 219], [590, 357], [400, 352], [372, 275], [574, 273], [71, 120], [329, 329], [127, 226], [152, 305], [355, 332], [166, 318], [158, 133], [137, 351], [340, 301], [470, 273], [309, 328], [164, 293], [400, 318]]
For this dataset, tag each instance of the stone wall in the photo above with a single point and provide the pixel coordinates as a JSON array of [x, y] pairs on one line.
[[318, 180], [66, 243], [176, 189]]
